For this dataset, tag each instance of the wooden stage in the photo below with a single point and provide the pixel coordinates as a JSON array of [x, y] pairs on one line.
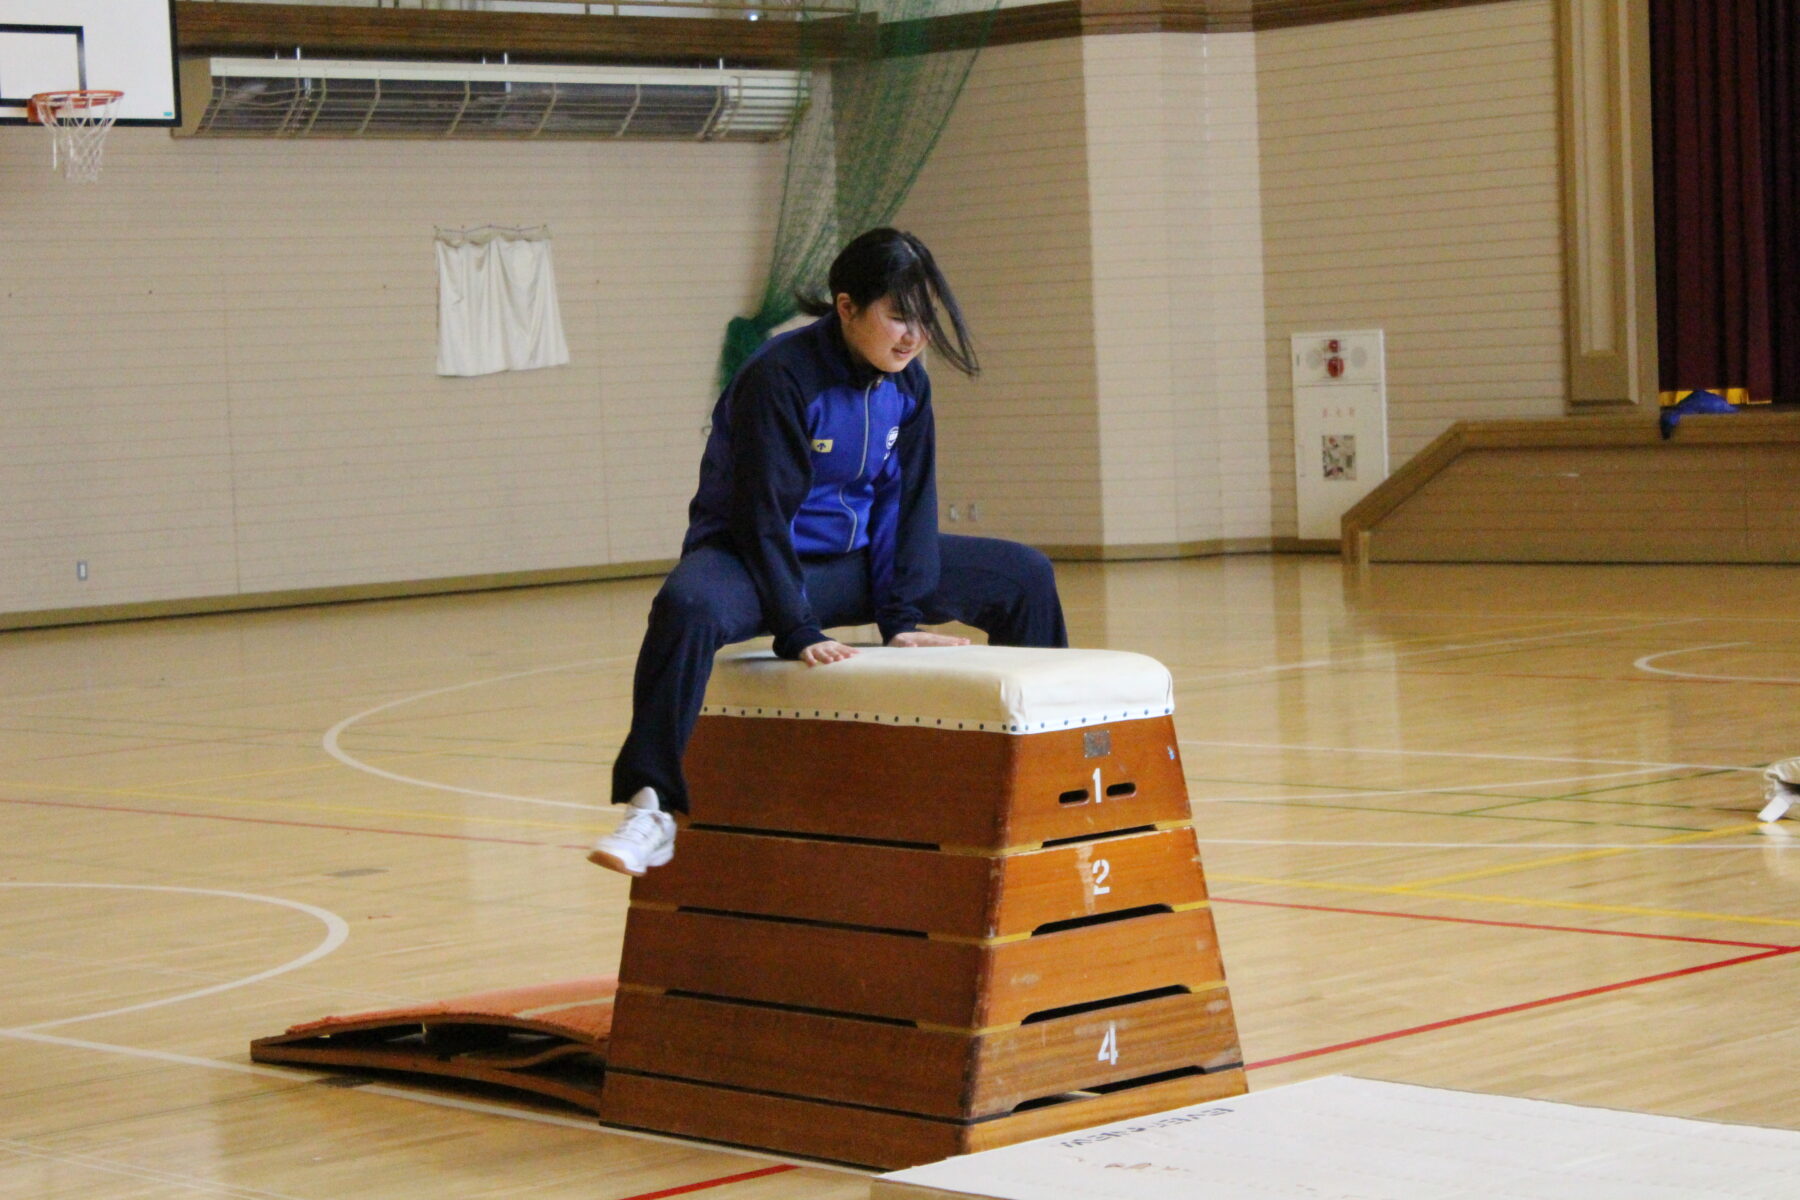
[[1722, 488], [1473, 827]]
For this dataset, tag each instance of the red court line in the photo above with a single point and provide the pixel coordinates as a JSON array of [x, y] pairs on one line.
[[1770, 952], [466, 837], [704, 1184], [1376, 912], [1525, 1007], [194, 816]]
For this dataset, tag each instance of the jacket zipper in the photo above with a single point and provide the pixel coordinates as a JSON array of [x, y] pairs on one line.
[[850, 543]]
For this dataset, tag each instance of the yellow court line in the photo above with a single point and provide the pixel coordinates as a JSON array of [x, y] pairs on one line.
[[338, 809], [1580, 856], [1576, 906], [1625, 909]]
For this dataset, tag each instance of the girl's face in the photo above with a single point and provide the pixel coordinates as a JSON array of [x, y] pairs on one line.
[[878, 335]]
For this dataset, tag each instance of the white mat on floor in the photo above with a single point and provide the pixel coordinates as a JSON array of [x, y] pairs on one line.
[[1342, 1138]]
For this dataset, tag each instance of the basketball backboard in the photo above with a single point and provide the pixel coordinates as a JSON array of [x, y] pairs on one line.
[[63, 45]]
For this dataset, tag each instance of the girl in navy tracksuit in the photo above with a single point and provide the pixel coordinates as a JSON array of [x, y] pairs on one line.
[[817, 507]]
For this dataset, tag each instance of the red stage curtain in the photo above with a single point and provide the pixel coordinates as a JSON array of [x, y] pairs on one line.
[[1712, 256], [1778, 27]]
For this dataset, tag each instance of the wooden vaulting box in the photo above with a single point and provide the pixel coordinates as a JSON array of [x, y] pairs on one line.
[[927, 902]]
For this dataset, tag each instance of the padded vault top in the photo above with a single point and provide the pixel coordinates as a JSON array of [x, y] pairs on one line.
[[994, 689]]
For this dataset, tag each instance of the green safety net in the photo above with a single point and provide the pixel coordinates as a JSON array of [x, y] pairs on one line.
[[881, 85]]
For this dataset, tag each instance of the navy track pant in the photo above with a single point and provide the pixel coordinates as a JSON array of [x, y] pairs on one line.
[[1006, 590]]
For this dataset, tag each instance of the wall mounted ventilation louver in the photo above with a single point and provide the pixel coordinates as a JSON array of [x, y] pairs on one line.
[[260, 97]]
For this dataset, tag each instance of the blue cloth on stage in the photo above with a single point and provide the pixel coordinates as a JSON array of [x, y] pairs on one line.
[[1696, 402]]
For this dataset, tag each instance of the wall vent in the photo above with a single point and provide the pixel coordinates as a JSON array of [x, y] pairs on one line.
[[295, 98]]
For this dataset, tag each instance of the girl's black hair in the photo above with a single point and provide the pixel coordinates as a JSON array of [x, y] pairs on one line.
[[888, 262]]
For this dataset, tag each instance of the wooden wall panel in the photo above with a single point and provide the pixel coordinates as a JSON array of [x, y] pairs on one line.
[[1608, 185], [564, 35]]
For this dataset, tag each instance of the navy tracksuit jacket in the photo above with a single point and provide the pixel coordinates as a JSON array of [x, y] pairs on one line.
[[817, 506], [814, 454]]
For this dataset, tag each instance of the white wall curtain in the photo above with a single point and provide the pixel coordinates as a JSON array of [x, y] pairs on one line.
[[497, 307]]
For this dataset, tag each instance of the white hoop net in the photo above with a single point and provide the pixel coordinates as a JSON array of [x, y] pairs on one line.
[[78, 122]]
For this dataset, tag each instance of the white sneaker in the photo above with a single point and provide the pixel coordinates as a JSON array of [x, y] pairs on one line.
[[645, 839]]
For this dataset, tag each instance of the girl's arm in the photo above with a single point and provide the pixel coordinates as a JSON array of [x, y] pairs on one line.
[[771, 470]]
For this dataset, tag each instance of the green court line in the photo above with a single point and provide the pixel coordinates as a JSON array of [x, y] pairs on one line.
[[1584, 797], [1644, 783], [1491, 808]]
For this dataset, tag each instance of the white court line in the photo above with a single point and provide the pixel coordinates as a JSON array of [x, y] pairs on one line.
[[336, 932], [111, 1167], [298, 1074], [184, 975], [1579, 762], [1643, 664], [288, 1074], [333, 736], [1446, 648], [336, 751]]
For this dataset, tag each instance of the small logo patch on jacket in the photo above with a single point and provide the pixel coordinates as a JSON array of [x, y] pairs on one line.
[[822, 445]]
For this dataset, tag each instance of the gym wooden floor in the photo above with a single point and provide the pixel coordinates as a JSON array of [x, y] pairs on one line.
[[1489, 828]]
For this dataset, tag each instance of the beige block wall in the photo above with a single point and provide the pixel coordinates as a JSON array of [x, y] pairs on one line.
[[1409, 181], [1132, 154], [1230, 433], [217, 364], [1178, 287], [1097, 202], [1003, 203]]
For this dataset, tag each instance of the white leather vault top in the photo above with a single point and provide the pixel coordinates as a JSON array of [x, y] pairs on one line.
[[994, 689]]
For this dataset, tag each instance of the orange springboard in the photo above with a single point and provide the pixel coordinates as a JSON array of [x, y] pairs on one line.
[[548, 1038]]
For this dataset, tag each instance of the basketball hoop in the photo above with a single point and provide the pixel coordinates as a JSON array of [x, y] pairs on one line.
[[78, 123]]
